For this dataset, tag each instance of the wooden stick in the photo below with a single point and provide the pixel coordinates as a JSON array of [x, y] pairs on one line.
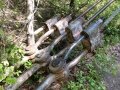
[[30, 18]]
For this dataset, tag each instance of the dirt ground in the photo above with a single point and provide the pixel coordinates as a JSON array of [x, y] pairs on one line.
[[113, 82]]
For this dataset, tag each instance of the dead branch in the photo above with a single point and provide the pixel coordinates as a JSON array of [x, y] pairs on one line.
[[30, 18]]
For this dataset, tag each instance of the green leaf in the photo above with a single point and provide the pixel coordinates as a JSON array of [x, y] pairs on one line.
[[1, 31], [2, 76], [12, 55], [11, 68], [5, 63], [1, 4], [18, 72], [10, 80], [1, 88], [39, 15], [114, 73], [1, 66], [20, 1]]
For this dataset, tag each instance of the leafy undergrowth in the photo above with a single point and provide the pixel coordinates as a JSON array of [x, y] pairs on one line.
[[87, 74], [9, 56], [90, 71]]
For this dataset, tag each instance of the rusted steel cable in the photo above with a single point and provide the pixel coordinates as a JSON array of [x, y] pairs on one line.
[[60, 70], [53, 77], [82, 37], [72, 46], [58, 27], [86, 11], [81, 20], [48, 24], [74, 29], [61, 24], [49, 48], [57, 32], [112, 16], [23, 77], [101, 10]]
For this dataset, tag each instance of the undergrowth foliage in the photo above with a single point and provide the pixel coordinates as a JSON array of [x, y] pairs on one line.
[[9, 55], [88, 77], [90, 72]]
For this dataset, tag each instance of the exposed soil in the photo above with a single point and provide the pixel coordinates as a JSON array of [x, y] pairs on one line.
[[113, 82]]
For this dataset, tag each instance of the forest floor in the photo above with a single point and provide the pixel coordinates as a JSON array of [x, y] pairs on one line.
[[112, 82]]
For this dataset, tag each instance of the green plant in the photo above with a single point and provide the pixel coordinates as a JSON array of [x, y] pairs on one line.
[[90, 78], [11, 54], [1, 4], [28, 64], [1, 88]]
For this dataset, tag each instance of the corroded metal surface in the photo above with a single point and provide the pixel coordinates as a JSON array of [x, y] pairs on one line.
[[59, 29], [23, 77], [61, 25], [74, 29], [45, 52], [63, 75], [49, 23], [58, 67], [92, 34]]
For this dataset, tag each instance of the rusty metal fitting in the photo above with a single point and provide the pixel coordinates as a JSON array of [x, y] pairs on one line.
[[74, 29], [57, 66], [63, 75], [61, 25], [92, 35], [42, 56], [31, 49], [49, 23], [45, 53]]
